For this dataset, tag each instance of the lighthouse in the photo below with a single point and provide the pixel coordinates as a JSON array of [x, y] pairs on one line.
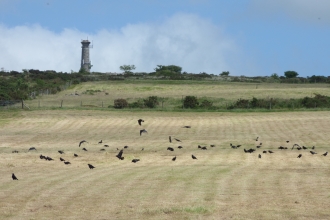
[[85, 60]]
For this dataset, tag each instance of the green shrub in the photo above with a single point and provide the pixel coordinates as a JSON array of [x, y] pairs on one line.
[[190, 102], [151, 102], [137, 104], [120, 103], [206, 104]]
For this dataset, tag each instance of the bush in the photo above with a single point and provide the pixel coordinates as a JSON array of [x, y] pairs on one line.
[[151, 102], [120, 103], [206, 104], [190, 102], [137, 104]]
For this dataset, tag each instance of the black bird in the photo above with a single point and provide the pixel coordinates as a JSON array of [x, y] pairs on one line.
[[102, 150], [135, 160], [143, 131], [177, 140], [120, 155], [14, 177], [105, 145], [180, 147], [170, 148], [100, 142], [49, 158], [186, 126], [15, 151], [193, 157], [299, 148], [32, 148], [204, 148], [212, 145], [81, 142], [259, 146], [91, 166], [305, 148], [199, 146], [76, 155], [142, 148], [325, 154], [170, 139], [238, 146], [67, 162], [174, 158], [84, 149], [300, 155], [259, 156], [61, 152], [264, 152], [270, 152], [287, 141], [61, 159], [42, 157], [257, 138], [140, 121], [126, 147], [233, 146], [281, 148], [312, 152], [313, 147]]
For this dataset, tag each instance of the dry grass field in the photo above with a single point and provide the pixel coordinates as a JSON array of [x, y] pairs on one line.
[[173, 91], [223, 183]]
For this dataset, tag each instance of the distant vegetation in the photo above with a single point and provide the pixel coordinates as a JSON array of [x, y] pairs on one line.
[[30, 83]]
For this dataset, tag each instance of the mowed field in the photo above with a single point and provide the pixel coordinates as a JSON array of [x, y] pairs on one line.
[[223, 183]]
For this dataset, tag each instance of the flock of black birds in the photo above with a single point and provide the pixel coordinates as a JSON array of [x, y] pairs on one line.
[[121, 157]]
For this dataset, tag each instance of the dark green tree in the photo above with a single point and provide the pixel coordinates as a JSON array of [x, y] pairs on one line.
[[225, 73], [290, 74], [127, 68]]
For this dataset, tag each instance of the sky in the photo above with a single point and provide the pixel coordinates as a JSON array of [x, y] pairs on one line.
[[244, 37]]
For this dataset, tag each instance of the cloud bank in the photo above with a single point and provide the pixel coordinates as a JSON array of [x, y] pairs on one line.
[[194, 43]]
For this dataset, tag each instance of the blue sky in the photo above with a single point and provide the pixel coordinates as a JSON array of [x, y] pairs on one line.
[[245, 37]]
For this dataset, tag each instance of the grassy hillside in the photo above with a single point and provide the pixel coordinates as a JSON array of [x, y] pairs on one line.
[[224, 183], [103, 93]]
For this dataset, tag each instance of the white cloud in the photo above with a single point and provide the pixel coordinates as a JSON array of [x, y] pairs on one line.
[[186, 40]]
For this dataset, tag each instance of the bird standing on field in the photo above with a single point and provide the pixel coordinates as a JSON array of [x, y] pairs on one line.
[[91, 166], [61, 152], [14, 177], [100, 142], [84, 149], [76, 155], [259, 156], [61, 159], [325, 154], [300, 155], [193, 157], [174, 158]]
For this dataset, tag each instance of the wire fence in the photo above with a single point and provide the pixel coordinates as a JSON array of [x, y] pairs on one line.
[[164, 103]]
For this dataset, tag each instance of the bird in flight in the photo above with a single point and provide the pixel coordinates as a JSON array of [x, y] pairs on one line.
[[81, 142], [193, 157], [120, 155], [140, 121], [91, 166], [143, 131], [14, 177], [174, 158]]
